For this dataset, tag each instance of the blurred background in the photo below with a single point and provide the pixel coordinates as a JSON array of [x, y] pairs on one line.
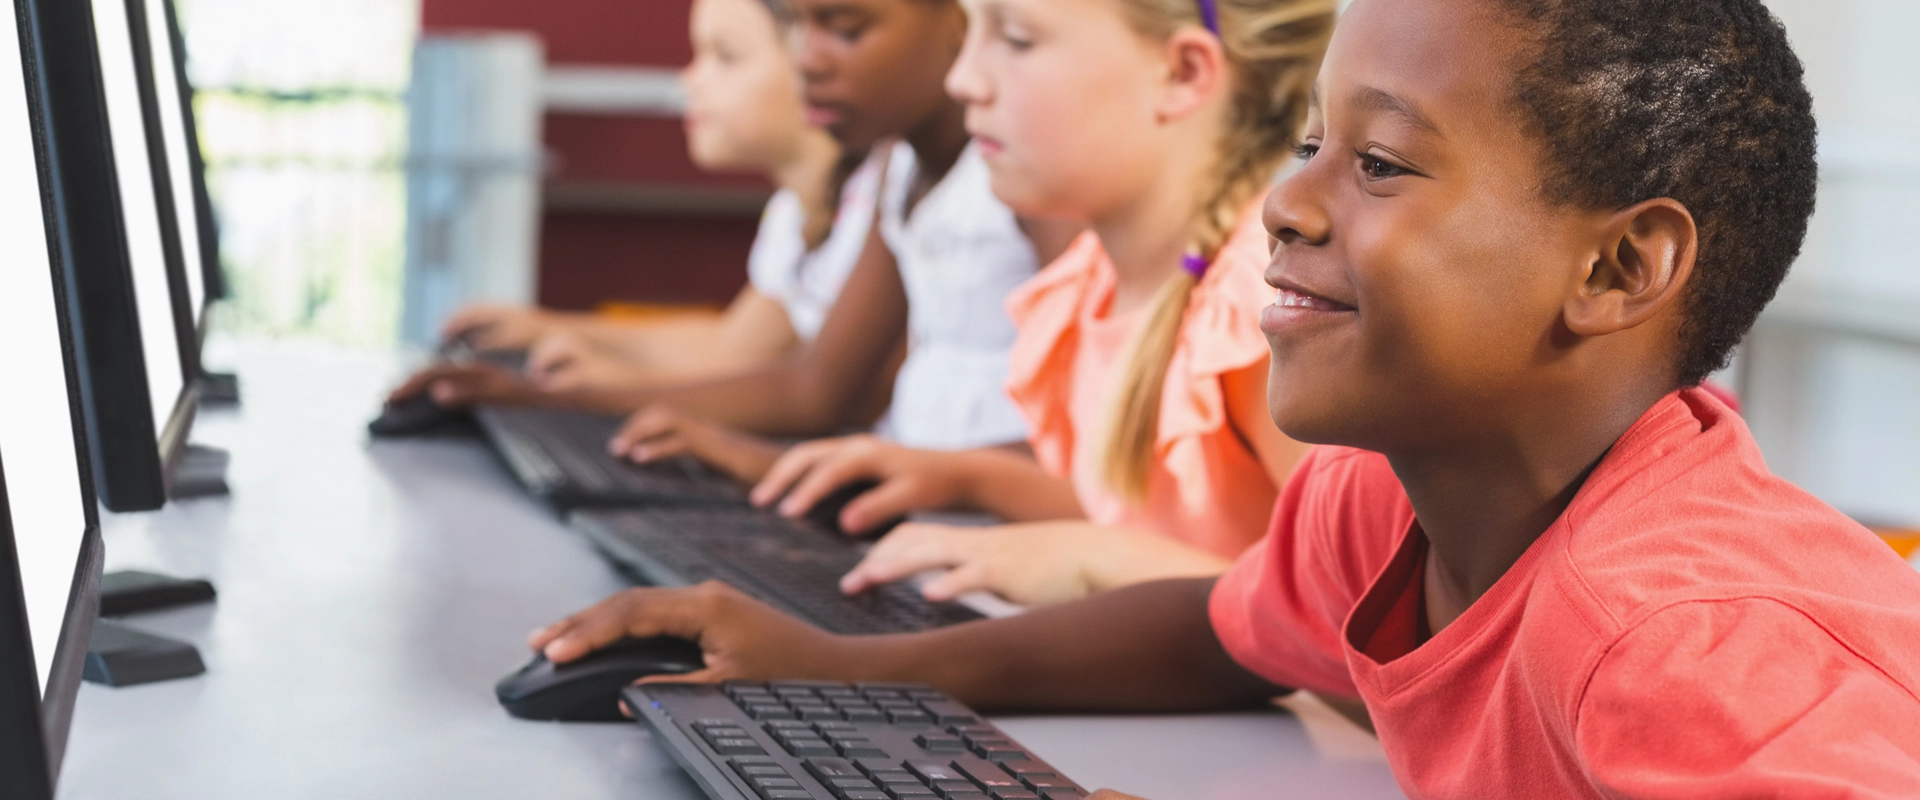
[[376, 162]]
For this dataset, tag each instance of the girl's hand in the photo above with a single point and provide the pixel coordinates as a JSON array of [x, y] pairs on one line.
[[658, 432], [497, 327], [464, 385], [909, 480], [564, 361], [741, 637], [1036, 563]]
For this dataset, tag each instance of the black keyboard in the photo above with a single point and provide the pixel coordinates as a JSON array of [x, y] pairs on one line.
[[562, 456], [808, 740], [793, 565]]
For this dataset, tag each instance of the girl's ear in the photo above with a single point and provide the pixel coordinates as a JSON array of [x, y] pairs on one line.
[[1643, 264], [1196, 71]]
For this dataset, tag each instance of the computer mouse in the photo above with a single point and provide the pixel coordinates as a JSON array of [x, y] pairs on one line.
[[588, 689], [415, 416]]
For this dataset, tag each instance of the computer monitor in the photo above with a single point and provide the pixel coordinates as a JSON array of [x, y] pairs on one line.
[[49, 532], [179, 170], [137, 347]]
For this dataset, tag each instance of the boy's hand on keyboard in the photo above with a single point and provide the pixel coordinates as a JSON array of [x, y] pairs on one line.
[[463, 385], [909, 480], [1034, 563], [659, 432], [740, 637]]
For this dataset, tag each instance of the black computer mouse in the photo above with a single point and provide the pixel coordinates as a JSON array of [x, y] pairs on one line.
[[416, 416], [588, 689]]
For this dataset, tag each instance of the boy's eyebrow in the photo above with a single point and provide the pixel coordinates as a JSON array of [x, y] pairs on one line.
[[1386, 102]]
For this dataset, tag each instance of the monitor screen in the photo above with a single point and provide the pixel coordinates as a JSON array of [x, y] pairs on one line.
[[173, 129], [159, 331], [39, 441]]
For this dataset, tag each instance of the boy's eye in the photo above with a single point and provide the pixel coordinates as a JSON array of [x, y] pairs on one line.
[[1379, 169], [1305, 151]]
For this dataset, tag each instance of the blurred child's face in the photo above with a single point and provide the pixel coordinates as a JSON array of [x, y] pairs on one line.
[[1431, 271], [873, 68], [1063, 98], [743, 96]]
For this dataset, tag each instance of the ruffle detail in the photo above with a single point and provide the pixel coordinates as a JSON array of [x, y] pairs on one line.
[[1039, 377]]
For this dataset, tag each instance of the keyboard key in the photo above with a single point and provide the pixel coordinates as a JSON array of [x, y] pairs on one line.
[[947, 712], [770, 712], [1043, 782], [1021, 769], [1062, 794], [827, 769], [966, 796], [764, 782], [810, 748], [934, 771], [762, 771], [988, 777], [884, 776], [952, 787], [849, 783], [750, 761], [1014, 794], [786, 794], [863, 714], [776, 726], [933, 742], [909, 717], [1007, 753], [861, 749], [869, 766], [865, 794], [910, 791], [833, 725], [816, 712], [807, 685], [737, 747]]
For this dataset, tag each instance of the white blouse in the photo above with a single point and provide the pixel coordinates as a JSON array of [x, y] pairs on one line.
[[960, 254], [807, 282]]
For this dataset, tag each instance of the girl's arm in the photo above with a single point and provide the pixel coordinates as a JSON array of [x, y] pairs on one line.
[[751, 333], [819, 390]]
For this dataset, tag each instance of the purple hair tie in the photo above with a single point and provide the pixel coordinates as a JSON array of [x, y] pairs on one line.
[[1195, 265], [1209, 15]]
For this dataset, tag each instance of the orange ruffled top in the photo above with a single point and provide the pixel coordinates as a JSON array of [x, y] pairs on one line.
[[1209, 488]]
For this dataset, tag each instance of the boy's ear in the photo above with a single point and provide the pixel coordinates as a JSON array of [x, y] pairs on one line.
[[1196, 69], [1644, 263]]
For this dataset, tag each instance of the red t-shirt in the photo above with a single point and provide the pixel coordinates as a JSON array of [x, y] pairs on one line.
[[1692, 626]]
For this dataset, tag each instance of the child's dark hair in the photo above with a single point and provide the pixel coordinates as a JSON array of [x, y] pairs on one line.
[[1698, 100]]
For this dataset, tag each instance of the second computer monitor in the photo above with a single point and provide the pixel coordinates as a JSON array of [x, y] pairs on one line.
[[138, 347]]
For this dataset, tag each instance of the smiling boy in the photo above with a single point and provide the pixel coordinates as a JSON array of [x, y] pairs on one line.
[[1548, 563]]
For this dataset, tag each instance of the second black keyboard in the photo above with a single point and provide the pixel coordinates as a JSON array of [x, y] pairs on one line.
[[793, 565], [562, 456]]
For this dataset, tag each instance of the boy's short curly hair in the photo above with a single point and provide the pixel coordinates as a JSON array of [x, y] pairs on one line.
[[1702, 101]]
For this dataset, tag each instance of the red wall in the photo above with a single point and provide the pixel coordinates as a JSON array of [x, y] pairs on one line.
[[650, 250]]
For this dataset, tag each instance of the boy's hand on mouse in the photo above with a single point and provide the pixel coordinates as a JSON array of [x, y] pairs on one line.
[[660, 432], [498, 327], [741, 637], [463, 385], [909, 480], [1034, 563]]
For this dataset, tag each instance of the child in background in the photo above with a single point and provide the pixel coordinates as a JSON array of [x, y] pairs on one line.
[[743, 115], [1549, 564], [930, 284], [1139, 364]]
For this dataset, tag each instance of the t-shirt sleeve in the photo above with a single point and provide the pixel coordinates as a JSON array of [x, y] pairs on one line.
[[1280, 610], [1745, 698], [778, 246]]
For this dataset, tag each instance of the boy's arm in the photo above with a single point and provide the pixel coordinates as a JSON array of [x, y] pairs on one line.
[[1149, 647]]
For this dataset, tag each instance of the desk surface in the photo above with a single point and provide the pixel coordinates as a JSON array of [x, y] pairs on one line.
[[371, 593]]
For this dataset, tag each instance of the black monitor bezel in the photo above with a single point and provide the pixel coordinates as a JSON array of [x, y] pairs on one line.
[[34, 720], [129, 473], [213, 272], [186, 316]]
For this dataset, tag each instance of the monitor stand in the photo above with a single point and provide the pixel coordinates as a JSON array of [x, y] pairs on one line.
[[121, 656], [201, 472], [219, 389]]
